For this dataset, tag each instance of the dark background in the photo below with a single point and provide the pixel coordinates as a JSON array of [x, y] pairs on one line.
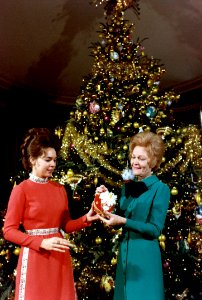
[[44, 54]]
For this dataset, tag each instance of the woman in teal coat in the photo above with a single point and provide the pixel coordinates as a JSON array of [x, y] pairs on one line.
[[143, 207]]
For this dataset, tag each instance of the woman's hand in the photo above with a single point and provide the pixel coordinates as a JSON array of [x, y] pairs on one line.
[[112, 219], [56, 244], [101, 189], [91, 216]]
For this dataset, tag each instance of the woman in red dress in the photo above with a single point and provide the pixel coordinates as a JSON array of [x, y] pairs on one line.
[[44, 270]]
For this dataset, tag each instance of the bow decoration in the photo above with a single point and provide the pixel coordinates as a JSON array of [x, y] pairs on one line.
[[135, 188]]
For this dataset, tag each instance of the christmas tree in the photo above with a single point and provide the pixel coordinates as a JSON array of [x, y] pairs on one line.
[[120, 97]]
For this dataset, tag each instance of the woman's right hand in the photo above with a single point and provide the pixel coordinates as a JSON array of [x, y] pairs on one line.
[[112, 219], [100, 189], [56, 244]]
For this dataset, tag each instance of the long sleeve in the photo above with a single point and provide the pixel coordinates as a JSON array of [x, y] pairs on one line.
[[74, 225], [70, 225], [155, 221], [13, 219]]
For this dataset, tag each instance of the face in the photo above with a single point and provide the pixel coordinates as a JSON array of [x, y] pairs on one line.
[[44, 165], [140, 163]]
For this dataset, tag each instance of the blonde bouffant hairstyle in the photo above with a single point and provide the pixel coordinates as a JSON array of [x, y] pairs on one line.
[[153, 145]]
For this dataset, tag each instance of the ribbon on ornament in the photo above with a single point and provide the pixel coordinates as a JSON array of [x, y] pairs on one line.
[[135, 188]]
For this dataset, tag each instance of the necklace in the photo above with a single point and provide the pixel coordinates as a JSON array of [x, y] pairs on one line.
[[37, 179]]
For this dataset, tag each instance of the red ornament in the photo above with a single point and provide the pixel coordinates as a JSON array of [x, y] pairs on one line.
[[94, 107], [100, 207], [166, 264], [107, 118]]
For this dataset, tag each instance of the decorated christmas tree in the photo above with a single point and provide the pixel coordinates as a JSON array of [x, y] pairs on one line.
[[120, 97]]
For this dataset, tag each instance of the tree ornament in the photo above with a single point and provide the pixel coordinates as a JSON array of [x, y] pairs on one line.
[[183, 295], [116, 115], [120, 156], [102, 131], [113, 261], [3, 252], [70, 173], [198, 198], [174, 191], [166, 264], [94, 107], [151, 112], [76, 196], [80, 103], [199, 215], [107, 283], [127, 174], [162, 239], [95, 181], [98, 240], [136, 125], [163, 131], [16, 251], [114, 55], [177, 210], [106, 118], [104, 201]]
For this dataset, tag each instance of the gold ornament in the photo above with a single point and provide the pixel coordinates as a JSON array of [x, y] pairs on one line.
[[120, 156], [164, 130], [176, 209], [113, 261], [86, 130], [3, 252], [16, 251], [107, 283], [189, 237], [70, 173], [102, 131], [179, 140], [147, 128], [98, 240], [136, 125], [174, 191], [162, 239], [116, 115], [59, 131], [198, 197], [95, 181]]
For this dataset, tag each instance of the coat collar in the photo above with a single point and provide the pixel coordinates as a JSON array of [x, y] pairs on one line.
[[149, 180]]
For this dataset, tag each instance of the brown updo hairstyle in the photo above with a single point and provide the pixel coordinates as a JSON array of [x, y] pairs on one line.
[[36, 141], [153, 145]]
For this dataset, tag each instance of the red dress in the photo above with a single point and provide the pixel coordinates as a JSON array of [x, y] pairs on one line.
[[42, 209]]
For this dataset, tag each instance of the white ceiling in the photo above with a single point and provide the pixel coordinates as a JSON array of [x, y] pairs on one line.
[[44, 44]]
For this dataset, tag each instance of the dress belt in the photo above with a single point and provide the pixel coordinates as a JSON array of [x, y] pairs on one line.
[[43, 231]]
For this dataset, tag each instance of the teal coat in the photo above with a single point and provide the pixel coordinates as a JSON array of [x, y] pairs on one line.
[[139, 268]]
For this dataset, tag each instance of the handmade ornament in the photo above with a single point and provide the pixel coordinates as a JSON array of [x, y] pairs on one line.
[[104, 201]]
